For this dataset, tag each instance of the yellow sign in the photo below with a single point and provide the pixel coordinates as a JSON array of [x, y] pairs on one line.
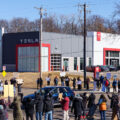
[[4, 73]]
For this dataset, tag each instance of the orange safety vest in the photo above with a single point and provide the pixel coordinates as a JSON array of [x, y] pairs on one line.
[[103, 106]]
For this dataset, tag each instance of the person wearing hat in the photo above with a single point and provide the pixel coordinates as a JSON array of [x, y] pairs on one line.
[[65, 106], [78, 107]]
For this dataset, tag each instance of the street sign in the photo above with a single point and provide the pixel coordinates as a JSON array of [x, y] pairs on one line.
[[4, 73], [108, 76], [4, 68]]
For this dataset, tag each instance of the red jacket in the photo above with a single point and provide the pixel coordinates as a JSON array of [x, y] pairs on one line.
[[65, 103]]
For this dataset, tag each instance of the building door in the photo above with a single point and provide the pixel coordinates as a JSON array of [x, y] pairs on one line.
[[115, 62], [65, 63]]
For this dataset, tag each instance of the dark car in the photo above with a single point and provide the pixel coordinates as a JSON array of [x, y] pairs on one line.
[[103, 68], [90, 68], [112, 68], [54, 90]]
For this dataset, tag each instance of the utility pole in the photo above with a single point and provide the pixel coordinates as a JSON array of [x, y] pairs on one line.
[[84, 45], [40, 40]]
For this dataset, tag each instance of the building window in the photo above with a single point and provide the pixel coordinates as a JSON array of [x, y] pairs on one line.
[[81, 64], [28, 59], [56, 62], [90, 62], [75, 63]]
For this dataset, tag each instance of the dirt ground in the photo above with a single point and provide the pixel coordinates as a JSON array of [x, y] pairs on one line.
[[58, 111]]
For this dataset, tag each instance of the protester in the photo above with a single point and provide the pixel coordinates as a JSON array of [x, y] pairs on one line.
[[78, 107], [84, 101], [39, 82], [29, 108], [87, 82], [74, 83], [17, 112], [6, 82], [48, 80], [62, 81], [107, 85], [94, 83], [56, 81], [48, 108], [79, 83], [67, 81], [102, 106], [114, 85], [65, 106], [39, 106], [2, 114], [118, 84], [91, 100], [101, 80], [114, 105], [98, 84], [4, 104]]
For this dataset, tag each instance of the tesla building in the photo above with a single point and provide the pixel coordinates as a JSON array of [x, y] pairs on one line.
[[20, 51]]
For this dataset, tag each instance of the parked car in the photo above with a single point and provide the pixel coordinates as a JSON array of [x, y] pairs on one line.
[[54, 90], [90, 68], [103, 68], [112, 68]]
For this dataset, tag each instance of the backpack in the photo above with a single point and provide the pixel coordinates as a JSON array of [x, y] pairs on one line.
[[107, 83]]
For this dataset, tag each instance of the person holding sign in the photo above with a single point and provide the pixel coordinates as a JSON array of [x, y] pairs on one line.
[[114, 85], [79, 83]]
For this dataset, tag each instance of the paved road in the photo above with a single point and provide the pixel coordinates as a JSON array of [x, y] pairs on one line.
[[58, 111]]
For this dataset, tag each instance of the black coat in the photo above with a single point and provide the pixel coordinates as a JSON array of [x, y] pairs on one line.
[[77, 106], [91, 100], [2, 115], [48, 104], [29, 106], [85, 98], [39, 104]]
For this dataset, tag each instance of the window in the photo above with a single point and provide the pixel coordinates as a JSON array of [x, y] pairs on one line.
[[56, 62], [114, 54], [81, 64], [75, 63], [90, 62], [28, 59]]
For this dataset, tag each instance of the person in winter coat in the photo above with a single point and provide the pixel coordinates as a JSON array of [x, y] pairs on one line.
[[118, 85], [67, 80], [78, 107], [74, 83], [114, 105], [17, 112], [48, 108], [91, 100], [114, 85], [3, 103], [2, 113], [84, 101], [79, 83], [39, 106], [56, 81], [102, 106], [65, 106], [29, 108]]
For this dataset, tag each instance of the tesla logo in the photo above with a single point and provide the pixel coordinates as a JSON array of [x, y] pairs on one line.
[[98, 36]]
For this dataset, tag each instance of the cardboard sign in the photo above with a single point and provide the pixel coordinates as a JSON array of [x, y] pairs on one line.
[[8, 91], [62, 74], [108, 76], [115, 76], [19, 81], [60, 96]]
